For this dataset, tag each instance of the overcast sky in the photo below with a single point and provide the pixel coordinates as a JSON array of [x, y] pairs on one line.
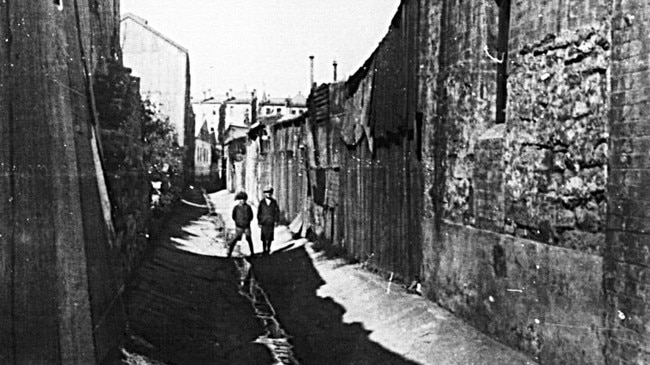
[[266, 44]]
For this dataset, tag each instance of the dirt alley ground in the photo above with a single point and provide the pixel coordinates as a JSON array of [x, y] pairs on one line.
[[186, 306]]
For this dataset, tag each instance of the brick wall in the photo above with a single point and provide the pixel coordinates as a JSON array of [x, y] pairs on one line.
[[626, 249]]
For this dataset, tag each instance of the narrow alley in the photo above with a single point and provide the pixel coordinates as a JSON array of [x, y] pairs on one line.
[[441, 182], [191, 305]]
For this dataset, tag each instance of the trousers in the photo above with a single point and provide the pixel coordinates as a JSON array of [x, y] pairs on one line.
[[239, 232]]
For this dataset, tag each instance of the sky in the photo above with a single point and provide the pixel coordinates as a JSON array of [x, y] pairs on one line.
[[266, 44]]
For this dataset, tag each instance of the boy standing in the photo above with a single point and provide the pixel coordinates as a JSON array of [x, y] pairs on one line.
[[268, 215], [242, 214]]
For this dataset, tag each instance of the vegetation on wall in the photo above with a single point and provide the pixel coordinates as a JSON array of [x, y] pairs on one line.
[[163, 157]]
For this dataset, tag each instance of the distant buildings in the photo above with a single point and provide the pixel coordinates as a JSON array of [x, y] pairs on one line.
[[283, 106], [163, 67], [202, 153], [231, 117], [207, 117]]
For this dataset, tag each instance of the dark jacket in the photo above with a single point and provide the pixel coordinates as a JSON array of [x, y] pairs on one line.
[[268, 214], [242, 214]]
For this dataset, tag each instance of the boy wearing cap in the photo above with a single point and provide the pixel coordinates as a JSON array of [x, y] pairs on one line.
[[268, 215], [242, 214]]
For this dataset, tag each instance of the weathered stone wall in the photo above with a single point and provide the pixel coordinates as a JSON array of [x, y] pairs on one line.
[[105, 25], [457, 98], [514, 212], [556, 144], [468, 83], [121, 113]]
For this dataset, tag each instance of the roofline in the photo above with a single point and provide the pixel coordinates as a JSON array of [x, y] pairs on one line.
[[142, 23], [238, 101], [292, 105], [233, 126], [293, 119]]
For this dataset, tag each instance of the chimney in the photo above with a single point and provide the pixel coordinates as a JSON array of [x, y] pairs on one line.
[[334, 64], [311, 72], [254, 106]]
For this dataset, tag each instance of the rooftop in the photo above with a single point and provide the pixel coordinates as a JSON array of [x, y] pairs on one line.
[[145, 24]]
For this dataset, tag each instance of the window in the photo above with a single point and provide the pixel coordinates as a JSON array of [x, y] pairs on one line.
[[269, 110], [293, 112], [279, 110]]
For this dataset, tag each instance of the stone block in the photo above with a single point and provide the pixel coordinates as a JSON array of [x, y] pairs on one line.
[[588, 219], [565, 218]]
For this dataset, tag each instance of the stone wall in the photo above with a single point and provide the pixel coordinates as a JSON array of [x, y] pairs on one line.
[[135, 146], [556, 144], [515, 212], [120, 111], [457, 98], [468, 82]]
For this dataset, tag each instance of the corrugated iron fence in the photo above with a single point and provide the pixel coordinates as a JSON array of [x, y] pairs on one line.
[[287, 166], [352, 166]]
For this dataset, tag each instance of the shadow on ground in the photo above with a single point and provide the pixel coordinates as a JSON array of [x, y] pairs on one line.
[[185, 308], [316, 324]]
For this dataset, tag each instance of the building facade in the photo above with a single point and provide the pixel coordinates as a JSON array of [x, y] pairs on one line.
[[288, 107], [163, 67], [202, 154]]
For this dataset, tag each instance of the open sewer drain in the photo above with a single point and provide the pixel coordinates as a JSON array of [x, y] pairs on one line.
[[275, 338]]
